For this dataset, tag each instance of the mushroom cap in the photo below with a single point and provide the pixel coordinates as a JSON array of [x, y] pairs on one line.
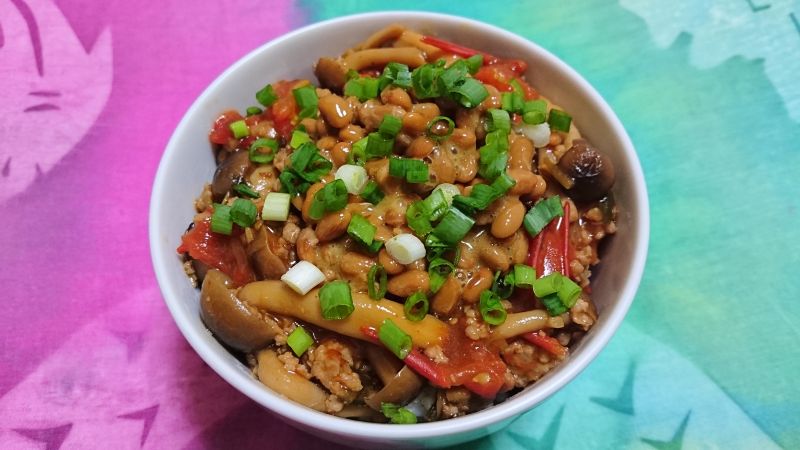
[[591, 170]]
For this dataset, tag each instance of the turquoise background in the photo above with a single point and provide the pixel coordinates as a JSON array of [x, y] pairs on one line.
[[708, 356]]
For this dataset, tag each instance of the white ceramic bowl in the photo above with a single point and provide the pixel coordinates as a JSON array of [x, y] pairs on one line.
[[188, 163]]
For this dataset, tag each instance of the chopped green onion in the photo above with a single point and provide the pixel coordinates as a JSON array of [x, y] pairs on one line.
[[372, 193], [396, 74], [292, 183], [470, 93], [299, 340], [299, 137], [303, 277], [542, 213], [516, 86], [336, 300], [491, 308], [376, 275], [553, 305], [534, 112], [502, 184], [358, 152], [308, 164], [221, 219], [524, 276], [416, 307], [363, 88], [253, 111], [243, 212], [390, 126], [492, 162], [449, 191], [260, 157], [361, 230], [266, 96], [418, 218], [245, 190], [440, 128], [307, 101], [436, 205], [394, 338], [453, 226], [498, 119], [559, 120], [503, 286], [481, 196], [438, 271], [557, 284], [397, 414], [405, 248], [413, 170], [453, 75], [436, 248], [512, 102], [378, 146], [375, 247], [425, 80], [276, 206], [332, 197], [474, 63], [239, 129]]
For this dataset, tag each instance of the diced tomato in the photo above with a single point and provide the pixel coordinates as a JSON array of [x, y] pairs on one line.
[[221, 131], [501, 73], [284, 110], [546, 343], [222, 252]]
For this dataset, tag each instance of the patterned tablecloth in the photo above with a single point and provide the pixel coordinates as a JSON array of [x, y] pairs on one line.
[[709, 91]]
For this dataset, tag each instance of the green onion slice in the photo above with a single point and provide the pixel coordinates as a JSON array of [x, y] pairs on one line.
[[299, 137], [557, 284], [361, 230], [394, 338], [503, 286], [453, 226], [308, 164], [239, 129], [553, 305], [397, 415], [221, 219], [470, 93], [512, 102], [292, 183], [534, 112], [418, 218], [299, 340], [425, 81], [376, 276], [559, 120], [474, 63], [266, 96], [416, 306], [396, 74], [245, 190], [307, 101], [491, 308], [336, 300], [257, 156], [542, 213], [332, 197], [390, 126], [440, 128], [377, 146], [243, 212], [436, 204], [524, 276], [498, 119], [413, 170], [276, 206], [438, 271], [364, 88], [372, 193], [253, 111]]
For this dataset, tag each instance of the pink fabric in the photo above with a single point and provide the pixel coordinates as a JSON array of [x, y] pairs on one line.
[[90, 356]]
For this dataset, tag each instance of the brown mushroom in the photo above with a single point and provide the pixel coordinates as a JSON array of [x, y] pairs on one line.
[[591, 170], [400, 386], [230, 171], [331, 73], [233, 321], [269, 252]]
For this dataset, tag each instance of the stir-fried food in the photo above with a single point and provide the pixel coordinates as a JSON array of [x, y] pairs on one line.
[[410, 240]]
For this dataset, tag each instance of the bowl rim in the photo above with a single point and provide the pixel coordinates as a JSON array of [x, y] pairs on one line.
[[346, 427]]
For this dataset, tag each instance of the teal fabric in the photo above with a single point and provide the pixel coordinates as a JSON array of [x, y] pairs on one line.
[[708, 356]]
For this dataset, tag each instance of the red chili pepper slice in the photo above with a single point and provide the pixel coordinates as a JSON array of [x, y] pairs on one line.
[[549, 250], [545, 342], [458, 50]]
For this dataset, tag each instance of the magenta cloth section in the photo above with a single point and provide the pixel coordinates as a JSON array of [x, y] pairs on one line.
[[90, 356]]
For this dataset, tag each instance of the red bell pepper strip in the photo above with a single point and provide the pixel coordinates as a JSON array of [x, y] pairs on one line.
[[546, 343], [417, 361], [458, 50], [549, 250]]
